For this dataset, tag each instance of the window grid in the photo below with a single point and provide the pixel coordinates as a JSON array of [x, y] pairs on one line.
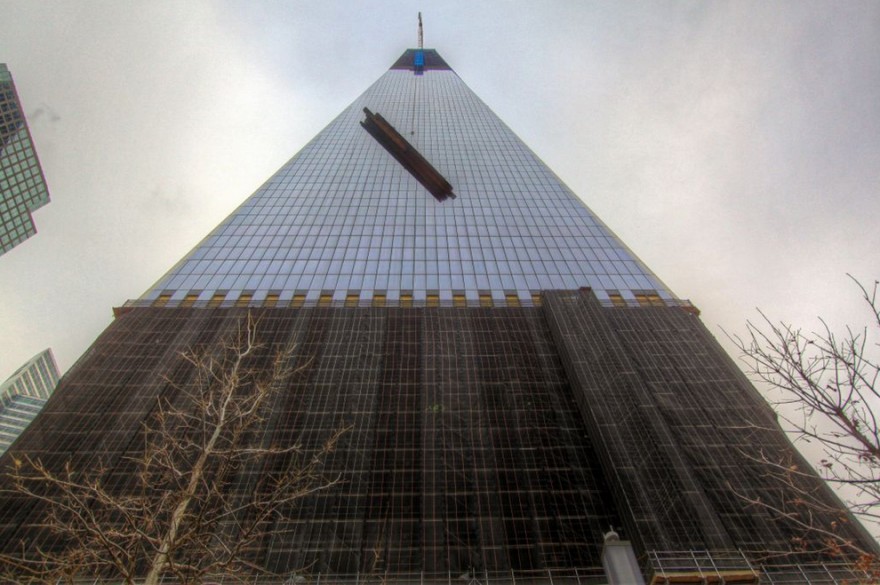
[[343, 215]]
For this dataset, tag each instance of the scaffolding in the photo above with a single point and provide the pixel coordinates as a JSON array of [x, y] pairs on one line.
[[734, 568], [667, 567]]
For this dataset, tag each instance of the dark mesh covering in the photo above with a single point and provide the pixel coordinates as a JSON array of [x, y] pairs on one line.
[[487, 439], [679, 428], [466, 449]]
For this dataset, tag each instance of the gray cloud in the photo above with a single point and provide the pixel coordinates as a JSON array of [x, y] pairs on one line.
[[44, 110]]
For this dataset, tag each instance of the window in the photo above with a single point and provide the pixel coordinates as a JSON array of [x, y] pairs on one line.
[[616, 299], [162, 300], [189, 300], [244, 299]]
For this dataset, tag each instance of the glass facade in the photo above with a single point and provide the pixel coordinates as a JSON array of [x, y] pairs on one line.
[[23, 395], [22, 185], [344, 220]]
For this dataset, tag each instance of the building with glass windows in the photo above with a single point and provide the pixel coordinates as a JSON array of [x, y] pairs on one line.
[[24, 394], [344, 221], [22, 185], [514, 380]]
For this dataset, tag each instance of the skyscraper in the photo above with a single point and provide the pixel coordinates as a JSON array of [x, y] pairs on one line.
[[22, 185], [23, 394], [514, 380]]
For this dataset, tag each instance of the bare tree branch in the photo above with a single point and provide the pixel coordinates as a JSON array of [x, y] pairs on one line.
[[181, 520], [826, 392]]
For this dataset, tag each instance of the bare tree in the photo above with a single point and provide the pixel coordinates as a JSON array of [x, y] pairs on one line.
[[828, 392], [181, 519]]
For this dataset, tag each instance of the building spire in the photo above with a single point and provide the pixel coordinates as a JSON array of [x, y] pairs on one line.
[[421, 36]]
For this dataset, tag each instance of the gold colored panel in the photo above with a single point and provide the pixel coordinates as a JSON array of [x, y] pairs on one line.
[[162, 300], [189, 300], [617, 300]]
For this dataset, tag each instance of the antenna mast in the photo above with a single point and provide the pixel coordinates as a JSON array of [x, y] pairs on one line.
[[421, 37]]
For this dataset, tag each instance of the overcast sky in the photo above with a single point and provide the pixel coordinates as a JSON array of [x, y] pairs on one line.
[[734, 146]]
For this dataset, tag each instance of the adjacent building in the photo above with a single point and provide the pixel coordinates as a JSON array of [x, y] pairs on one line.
[[515, 382], [22, 184], [24, 394]]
